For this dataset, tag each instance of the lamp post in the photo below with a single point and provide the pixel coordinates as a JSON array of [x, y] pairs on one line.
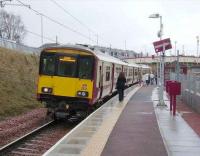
[[42, 41], [155, 16], [97, 39], [42, 32], [161, 84], [197, 45], [175, 47], [177, 66]]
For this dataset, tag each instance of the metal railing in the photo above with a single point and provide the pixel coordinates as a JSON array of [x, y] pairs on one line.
[[18, 47], [190, 89], [188, 82]]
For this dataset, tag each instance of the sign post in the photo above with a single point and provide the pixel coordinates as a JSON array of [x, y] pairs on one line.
[[161, 46]]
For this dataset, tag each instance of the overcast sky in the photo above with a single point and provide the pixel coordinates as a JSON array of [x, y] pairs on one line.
[[115, 22]]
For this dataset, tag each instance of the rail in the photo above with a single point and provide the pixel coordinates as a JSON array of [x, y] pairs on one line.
[[74, 142], [21, 139]]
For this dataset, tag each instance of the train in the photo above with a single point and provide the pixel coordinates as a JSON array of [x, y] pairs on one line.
[[73, 78]]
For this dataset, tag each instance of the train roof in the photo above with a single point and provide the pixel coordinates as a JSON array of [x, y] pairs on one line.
[[144, 66], [97, 53], [70, 46], [108, 58], [134, 65]]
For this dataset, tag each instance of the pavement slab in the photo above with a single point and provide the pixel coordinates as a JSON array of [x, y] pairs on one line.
[[180, 139], [136, 133]]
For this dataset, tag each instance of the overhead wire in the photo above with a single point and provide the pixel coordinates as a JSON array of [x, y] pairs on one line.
[[55, 21], [67, 12], [38, 35]]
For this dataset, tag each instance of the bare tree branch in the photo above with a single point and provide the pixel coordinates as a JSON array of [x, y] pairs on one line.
[[11, 27]]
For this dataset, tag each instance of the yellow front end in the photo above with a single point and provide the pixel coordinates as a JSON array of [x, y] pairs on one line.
[[65, 86]]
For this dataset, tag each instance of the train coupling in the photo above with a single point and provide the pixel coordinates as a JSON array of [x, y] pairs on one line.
[[62, 115]]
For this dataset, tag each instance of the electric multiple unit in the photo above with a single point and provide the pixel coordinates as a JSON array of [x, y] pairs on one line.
[[73, 79]]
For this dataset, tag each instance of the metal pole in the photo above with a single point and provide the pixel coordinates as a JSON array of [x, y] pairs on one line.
[[97, 38], [160, 56], [161, 65], [161, 80], [162, 62], [157, 67], [175, 48], [162, 76], [177, 66], [89, 35], [197, 46], [42, 30], [160, 68]]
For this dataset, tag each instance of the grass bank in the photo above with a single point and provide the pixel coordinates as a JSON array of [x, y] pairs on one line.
[[18, 76]]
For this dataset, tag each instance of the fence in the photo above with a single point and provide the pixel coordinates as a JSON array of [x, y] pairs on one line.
[[18, 47], [190, 89]]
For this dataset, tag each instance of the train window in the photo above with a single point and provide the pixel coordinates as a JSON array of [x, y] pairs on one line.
[[130, 72], [118, 70], [85, 67], [125, 71], [47, 64], [67, 66], [107, 73], [107, 68], [136, 72], [107, 76]]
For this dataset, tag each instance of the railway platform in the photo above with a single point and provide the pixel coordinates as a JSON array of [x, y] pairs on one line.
[[135, 127]]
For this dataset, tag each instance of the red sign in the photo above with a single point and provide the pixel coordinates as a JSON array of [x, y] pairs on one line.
[[158, 45]]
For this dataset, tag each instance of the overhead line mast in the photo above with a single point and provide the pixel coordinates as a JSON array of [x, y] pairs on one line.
[[3, 3], [57, 22]]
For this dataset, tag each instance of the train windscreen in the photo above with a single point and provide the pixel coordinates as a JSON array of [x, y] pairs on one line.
[[67, 66], [85, 66], [47, 64]]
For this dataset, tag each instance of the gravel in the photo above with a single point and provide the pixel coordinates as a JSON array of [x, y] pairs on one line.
[[13, 128]]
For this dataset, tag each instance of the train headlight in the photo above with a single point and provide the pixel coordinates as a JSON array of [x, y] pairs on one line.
[[67, 106], [47, 90], [82, 94]]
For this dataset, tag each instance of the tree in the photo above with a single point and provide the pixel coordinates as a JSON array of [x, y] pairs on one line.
[[11, 27]]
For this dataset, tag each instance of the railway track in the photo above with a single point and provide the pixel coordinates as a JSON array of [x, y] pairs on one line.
[[41, 139], [38, 141]]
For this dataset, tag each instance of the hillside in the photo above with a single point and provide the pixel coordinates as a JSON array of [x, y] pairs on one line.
[[18, 75]]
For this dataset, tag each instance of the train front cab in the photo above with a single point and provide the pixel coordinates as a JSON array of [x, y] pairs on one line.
[[66, 80]]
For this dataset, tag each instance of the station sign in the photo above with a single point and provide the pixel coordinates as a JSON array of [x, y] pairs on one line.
[[159, 45]]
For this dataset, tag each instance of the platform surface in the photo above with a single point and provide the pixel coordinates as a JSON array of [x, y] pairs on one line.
[[136, 133], [135, 127]]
